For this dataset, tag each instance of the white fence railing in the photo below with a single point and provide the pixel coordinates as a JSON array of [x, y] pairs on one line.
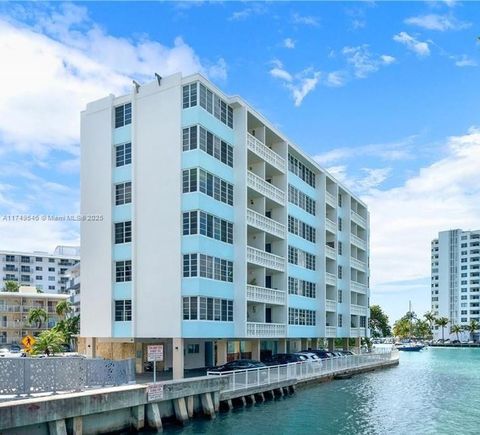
[[259, 148], [330, 278], [358, 287], [330, 305], [266, 295], [258, 329], [359, 220], [330, 199], [265, 188], [330, 252], [264, 376], [358, 241], [358, 264], [265, 259], [330, 225], [266, 224]]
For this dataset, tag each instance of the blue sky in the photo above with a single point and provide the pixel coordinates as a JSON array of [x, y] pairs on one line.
[[385, 95]]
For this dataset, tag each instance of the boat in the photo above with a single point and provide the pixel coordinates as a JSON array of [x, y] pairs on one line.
[[411, 347]]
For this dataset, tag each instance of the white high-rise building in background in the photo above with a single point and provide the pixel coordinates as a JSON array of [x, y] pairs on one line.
[[217, 236], [455, 283]]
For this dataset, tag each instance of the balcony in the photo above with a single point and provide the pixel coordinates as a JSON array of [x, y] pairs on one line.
[[358, 287], [265, 188], [330, 305], [330, 278], [265, 224], [357, 264], [359, 220], [357, 332], [266, 295], [358, 310], [264, 330], [261, 150], [330, 199], [330, 331], [10, 279], [358, 242], [10, 269], [330, 252], [265, 259], [330, 226], [9, 308]]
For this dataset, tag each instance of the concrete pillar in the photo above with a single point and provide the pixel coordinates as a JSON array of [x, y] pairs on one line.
[[177, 358], [216, 400], [207, 405], [346, 344], [331, 344], [304, 344], [314, 343], [260, 397], [90, 347], [256, 349], [221, 356], [189, 400], [282, 345], [138, 417], [57, 427], [154, 418], [138, 357], [230, 404], [252, 399], [77, 426], [358, 343], [180, 408]]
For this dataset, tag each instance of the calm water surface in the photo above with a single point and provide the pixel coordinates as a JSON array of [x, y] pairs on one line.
[[436, 391]]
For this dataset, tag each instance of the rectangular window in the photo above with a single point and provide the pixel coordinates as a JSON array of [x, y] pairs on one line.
[[301, 200], [190, 95], [301, 288], [123, 115], [298, 316], [123, 193], [340, 296], [200, 180], [123, 271], [340, 272], [213, 104], [301, 229], [199, 222], [340, 320], [202, 308], [207, 266], [301, 258], [123, 154], [123, 310], [197, 136], [299, 169], [123, 232]]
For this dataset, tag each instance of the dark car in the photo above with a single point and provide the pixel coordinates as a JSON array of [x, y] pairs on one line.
[[239, 364], [321, 353], [284, 358], [346, 352]]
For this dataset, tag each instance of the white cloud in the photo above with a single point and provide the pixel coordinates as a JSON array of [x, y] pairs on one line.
[[369, 179], [253, 9], [75, 61], [437, 22], [336, 79], [289, 43], [363, 61], [404, 219], [421, 48], [464, 61], [307, 20]]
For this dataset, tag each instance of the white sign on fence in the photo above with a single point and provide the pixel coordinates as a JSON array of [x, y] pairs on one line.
[[155, 352], [155, 392]]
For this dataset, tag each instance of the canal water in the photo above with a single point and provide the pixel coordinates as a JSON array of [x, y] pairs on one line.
[[435, 391]]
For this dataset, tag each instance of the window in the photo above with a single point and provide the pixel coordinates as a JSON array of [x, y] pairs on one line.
[[9, 257], [39, 268], [206, 266], [51, 260], [25, 259], [51, 287], [210, 226], [193, 348], [340, 199], [340, 320], [297, 316], [51, 269], [190, 95], [123, 310], [203, 181], [123, 271], [213, 104], [340, 224], [38, 259], [123, 115], [301, 200], [201, 308], [301, 288], [363, 321], [123, 193], [301, 258], [123, 154], [123, 232], [340, 248], [340, 296], [301, 229], [299, 169], [26, 278], [211, 144], [340, 272], [39, 277]]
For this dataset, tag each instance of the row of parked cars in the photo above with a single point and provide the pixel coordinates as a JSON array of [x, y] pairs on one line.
[[281, 359]]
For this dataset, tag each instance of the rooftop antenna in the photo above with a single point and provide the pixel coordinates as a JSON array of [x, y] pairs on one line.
[[159, 78], [137, 86]]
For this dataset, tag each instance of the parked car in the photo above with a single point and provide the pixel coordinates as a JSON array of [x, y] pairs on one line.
[[284, 358], [346, 352], [4, 352], [239, 364], [321, 353], [311, 356], [15, 348]]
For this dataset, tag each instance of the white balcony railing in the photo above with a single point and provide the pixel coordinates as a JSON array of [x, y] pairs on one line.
[[330, 331], [330, 278], [330, 226], [266, 295], [261, 150], [359, 220], [265, 259], [330, 252], [330, 305], [266, 329], [266, 224], [358, 287], [357, 332], [357, 264], [357, 241], [9, 308], [358, 310], [265, 188], [330, 199]]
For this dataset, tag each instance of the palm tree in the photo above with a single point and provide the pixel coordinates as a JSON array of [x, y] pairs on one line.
[[442, 322], [430, 318], [11, 286], [68, 327], [456, 329], [472, 327], [37, 316], [63, 308], [49, 342]]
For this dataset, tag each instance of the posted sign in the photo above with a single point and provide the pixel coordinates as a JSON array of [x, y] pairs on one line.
[[155, 392], [155, 352]]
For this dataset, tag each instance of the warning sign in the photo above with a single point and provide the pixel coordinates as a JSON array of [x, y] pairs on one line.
[[28, 341], [155, 392], [155, 352]]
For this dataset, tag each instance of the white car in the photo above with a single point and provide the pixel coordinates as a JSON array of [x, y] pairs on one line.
[[4, 352], [310, 356]]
